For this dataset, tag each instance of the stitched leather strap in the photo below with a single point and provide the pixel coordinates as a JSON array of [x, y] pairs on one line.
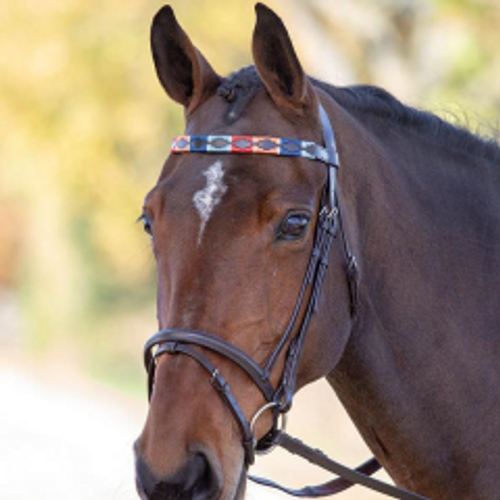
[[349, 476], [213, 343], [321, 490], [221, 386]]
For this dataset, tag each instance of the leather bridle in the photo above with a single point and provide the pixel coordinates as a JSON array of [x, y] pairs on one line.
[[278, 400]]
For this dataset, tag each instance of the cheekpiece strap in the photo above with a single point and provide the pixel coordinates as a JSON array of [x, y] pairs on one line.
[[250, 144]]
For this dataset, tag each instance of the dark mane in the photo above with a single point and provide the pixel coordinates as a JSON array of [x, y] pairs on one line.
[[244, 81], [240, 86], [238, 89], [379, 102]]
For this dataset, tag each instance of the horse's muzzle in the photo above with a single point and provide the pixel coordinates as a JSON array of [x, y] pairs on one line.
[[196, 479]]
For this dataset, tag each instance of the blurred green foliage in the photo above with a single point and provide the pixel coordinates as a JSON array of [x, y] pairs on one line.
[[85, 128]]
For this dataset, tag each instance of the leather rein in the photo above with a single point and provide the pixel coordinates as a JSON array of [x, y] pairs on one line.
[[278, 400]]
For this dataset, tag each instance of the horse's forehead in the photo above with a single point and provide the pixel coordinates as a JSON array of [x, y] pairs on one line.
[[203, 181], [202, 187], [194, 176]]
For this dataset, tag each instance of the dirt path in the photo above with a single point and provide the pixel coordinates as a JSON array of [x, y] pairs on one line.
[[71, 440]]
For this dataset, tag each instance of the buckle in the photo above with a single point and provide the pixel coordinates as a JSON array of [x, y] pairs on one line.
[[275, 431]]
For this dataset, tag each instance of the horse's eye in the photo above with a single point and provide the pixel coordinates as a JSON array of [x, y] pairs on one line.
[[294, 226], [147, 224]]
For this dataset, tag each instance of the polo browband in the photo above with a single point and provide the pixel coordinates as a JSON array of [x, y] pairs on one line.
[[279, 399], [250, 144]]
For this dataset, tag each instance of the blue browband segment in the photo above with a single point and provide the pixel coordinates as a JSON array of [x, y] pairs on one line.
[[249, 144]]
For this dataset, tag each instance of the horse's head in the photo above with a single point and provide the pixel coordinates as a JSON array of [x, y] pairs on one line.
[[232, 235]]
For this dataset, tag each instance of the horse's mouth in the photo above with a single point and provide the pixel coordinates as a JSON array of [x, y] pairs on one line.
[[241, 487]]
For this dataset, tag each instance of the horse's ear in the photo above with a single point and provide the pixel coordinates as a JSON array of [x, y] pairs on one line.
[[277, 62], [184, 73]]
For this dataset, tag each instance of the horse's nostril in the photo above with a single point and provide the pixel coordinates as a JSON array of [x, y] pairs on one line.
[[195, 480], [140, 489], [145, 480], [199, 477]]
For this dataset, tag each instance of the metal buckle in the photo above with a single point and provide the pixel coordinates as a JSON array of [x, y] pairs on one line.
[[279, 429], [215, 375], [329, 213]]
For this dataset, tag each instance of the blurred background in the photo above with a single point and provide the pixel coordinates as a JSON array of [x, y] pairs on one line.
[[85, 127]]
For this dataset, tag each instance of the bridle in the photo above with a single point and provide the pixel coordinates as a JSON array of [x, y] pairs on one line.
[[173, 340], [278, 400]]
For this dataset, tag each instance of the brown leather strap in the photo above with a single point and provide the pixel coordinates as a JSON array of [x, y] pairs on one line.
[[349, 477], [222, 387], [321, 490], [212, 343]]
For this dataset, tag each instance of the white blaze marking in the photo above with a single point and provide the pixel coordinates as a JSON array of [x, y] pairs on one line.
[[207, 198]]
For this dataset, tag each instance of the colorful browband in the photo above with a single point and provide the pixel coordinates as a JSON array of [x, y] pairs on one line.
[[249, 144]]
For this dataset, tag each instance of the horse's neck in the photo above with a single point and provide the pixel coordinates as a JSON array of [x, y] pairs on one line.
[[420, 374]]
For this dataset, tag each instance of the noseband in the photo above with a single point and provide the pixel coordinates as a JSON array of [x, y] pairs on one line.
[[278, 400]]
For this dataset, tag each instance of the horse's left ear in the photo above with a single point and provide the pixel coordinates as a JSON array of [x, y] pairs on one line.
[[277, 62], [184, 73]]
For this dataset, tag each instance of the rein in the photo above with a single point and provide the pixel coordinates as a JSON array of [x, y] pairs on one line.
[[279, 399]]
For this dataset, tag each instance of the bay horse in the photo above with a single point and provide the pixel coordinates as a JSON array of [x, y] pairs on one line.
[[404, 242]]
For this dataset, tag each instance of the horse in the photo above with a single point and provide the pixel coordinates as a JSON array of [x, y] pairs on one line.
[[399, 221]]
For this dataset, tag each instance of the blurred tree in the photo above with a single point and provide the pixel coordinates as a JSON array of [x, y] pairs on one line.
[[430, 52]]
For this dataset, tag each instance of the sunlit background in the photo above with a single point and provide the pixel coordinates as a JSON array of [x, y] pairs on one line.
[[84, 130]]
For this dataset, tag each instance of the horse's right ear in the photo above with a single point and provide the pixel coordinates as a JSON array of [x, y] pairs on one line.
[[184, 73], [277, 62]]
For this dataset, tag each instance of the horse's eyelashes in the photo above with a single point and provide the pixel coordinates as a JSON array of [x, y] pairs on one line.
[[146, 223], [293, 226]]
